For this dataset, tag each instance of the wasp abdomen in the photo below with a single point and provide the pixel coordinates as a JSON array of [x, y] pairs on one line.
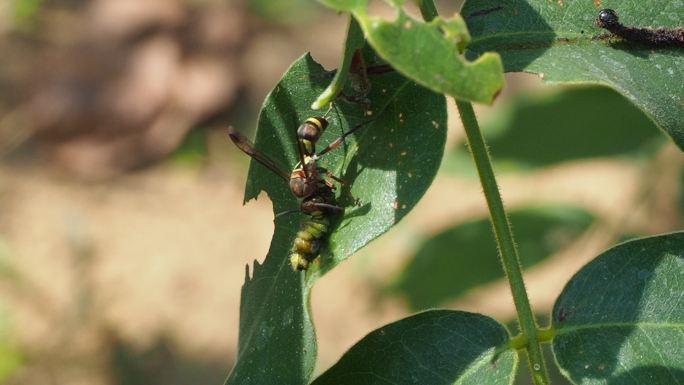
[[308, 242], [309, 133]]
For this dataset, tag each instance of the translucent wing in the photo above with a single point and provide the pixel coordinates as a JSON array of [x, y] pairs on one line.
[[248, 148]]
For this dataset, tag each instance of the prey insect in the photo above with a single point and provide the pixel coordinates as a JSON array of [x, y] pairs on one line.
[[308, 184], [656, 37]]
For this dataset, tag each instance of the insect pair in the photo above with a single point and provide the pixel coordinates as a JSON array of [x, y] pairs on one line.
[[657, 37], [308, 183]]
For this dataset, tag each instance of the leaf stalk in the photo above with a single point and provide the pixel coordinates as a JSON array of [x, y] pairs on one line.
[[354, 41]]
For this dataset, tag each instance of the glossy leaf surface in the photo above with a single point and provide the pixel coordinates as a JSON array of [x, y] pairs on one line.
[[620, 320], [559, 40], [388, 164], [429, 52], [586, 122], [437, 347]]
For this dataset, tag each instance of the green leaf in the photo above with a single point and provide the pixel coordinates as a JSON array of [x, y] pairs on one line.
[[558, 39], [620, 319], [354, 42], [464, 256], [537, 129], [429, 53], [388, 164], [522, 132], [437, 347]]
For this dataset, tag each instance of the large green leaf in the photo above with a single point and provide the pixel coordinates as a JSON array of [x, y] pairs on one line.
[[521, 135], [620, 320], [388, 164], [464, 256], [437, 347], [558, 39], [429, 52]]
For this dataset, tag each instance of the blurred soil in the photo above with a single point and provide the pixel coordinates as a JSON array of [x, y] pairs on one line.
[[125, 274], [109, 86], [137, 279]]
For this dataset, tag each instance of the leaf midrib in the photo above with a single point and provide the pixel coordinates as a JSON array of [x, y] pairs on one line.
[[641, 325]]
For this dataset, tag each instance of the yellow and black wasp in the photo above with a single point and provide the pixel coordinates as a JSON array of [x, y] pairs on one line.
[[307, 183]]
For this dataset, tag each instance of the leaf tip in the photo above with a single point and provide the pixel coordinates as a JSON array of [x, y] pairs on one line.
[[247, 278]]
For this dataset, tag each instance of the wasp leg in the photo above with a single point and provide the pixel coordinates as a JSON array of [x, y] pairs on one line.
[[339, 140], [330, 175], [328, 207]]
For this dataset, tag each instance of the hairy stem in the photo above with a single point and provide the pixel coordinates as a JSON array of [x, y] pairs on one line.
[[502, 231], [504, 238], [427, 9]]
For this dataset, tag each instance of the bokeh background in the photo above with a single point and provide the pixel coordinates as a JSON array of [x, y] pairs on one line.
[[123, 237]]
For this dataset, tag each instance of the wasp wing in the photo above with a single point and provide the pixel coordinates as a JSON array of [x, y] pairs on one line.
[[248, 148]]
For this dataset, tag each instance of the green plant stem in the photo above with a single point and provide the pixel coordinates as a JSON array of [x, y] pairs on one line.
[[353, 42], [427, 9], [505, 242], [546, 334], [502, 229]]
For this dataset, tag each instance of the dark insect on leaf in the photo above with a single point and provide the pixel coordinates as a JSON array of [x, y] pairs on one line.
[[656, 37]]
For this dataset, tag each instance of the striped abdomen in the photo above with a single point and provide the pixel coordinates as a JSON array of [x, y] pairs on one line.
[[309, 240]]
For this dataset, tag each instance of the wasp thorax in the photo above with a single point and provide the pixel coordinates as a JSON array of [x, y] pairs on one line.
[[607, 18], [301, 184]]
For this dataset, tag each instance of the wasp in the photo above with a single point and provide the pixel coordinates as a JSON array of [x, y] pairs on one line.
[[307, 183]]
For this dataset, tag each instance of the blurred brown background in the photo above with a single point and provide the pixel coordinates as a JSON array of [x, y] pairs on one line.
[[123, 239]]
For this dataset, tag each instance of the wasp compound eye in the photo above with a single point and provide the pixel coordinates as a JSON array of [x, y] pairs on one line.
[[607, 18]]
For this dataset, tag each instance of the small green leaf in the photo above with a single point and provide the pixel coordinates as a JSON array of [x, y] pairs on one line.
[[437, 347], [353, 44], [559, 40], [388, 164], [620, 319], [464, 256], [430, 53]]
